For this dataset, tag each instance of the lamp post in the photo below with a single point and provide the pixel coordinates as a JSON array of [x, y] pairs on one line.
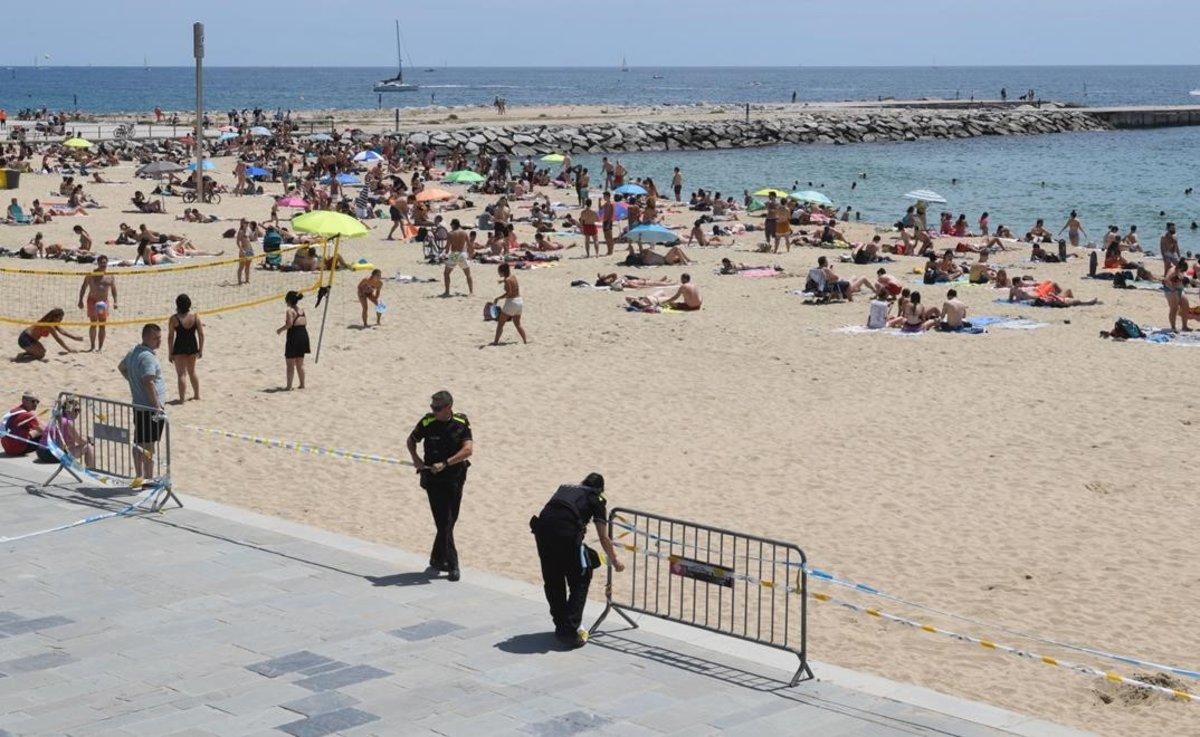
[[198, 52]]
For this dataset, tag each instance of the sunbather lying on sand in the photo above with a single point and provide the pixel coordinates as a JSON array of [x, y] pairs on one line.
[[728, 267], [1047, 294], [646, 256], [632, 282]]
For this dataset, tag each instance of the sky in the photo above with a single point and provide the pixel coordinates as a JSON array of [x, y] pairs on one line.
[[646, 32]]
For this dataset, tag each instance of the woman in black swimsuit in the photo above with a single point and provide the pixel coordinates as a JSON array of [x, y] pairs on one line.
[[296, 345], [185, 341]]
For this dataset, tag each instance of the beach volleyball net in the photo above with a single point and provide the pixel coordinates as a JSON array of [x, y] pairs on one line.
[[147, 294]]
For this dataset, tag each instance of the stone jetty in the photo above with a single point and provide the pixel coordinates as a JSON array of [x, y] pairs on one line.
[[833, 127]]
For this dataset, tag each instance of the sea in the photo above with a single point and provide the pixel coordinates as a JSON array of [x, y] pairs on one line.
[[1120, 178]]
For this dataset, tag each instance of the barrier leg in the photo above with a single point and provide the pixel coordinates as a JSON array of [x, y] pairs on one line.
[[59, 470], [803, 673], [610, 607]]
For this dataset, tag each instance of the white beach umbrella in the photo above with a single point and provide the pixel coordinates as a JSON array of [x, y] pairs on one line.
[[926, 195]]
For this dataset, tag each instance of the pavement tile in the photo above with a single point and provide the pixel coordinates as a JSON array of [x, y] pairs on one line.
[[320, 703], [339, 678], [289, 663], [328, 723], [25, 626], [31, 663], [426, 630]]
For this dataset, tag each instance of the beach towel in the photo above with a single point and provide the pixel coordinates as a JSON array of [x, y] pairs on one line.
[[759, 273]]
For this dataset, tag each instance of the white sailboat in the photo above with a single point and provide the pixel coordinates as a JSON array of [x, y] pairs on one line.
[[624, 66], [396, 83]]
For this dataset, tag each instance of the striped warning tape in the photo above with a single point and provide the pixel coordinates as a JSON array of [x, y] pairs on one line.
[[867, 589], [985, 643], [298, 447]]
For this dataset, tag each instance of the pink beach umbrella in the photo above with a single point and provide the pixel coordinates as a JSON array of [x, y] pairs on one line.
[[293, 201]]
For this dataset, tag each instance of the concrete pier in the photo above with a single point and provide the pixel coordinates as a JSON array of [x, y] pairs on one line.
[[1147, 117]]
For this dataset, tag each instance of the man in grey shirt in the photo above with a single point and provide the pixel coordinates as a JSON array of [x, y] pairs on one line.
[[141, 369]]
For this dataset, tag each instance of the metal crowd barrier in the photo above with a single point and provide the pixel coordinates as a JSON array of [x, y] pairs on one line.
[[748, 587], [112, 428]]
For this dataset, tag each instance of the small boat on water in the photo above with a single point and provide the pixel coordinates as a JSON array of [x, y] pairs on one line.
[[624, 66], [1195, 93], [396, 83]]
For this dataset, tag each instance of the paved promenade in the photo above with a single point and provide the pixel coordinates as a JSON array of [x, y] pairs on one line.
[[209, 621]]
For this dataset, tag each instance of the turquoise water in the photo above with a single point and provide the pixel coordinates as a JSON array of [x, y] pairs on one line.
[[108, 89], [1118, 177]]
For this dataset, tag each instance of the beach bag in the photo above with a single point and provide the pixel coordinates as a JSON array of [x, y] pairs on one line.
[[877, 318], [930, 276], [1126, 328]]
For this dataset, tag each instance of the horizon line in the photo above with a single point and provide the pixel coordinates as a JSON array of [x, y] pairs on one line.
[[604, 66]]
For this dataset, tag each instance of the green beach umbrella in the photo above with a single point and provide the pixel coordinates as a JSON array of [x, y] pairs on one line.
[[463, 176], [768, 191], [77, 143]]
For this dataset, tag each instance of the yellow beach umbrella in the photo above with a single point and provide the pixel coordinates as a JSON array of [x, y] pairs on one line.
[[554, 158], [77, 143], [328, 224], [768, 191]]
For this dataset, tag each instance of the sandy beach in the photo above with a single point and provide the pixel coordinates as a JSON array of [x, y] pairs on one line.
[[1035, 478]]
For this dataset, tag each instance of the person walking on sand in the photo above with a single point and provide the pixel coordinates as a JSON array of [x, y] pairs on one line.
[[457, 254], [239, 171], [1168, 248], [608, 213], [245, 249], [100, 288], [1177, 303], [1073, 227], [513, 304], [587, 226], [185, 345], [582, 182], [296, 345], [368, 292]]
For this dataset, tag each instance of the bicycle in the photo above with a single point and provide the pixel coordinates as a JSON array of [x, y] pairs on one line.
[[123, 132], [209, 198]]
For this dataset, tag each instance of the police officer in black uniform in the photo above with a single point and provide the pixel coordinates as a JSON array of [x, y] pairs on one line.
[[447, 438], [559, 530]]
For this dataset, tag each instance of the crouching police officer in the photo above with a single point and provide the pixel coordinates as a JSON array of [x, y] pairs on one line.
[[566, 562], [447, 437]]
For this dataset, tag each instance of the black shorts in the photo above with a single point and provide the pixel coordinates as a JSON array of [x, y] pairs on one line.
[[26, 341], [147, 426], [394, 213]]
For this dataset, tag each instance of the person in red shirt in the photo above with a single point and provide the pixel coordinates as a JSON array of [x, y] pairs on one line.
[[22, 432]]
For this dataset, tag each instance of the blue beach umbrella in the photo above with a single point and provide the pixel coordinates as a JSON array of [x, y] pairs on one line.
[[367, 157], [257, 171], [227, 136], [208, 165], [652, 233], [343, 178], [630, 189]]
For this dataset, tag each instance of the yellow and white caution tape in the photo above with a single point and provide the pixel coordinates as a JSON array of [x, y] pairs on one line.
[[297, 447], [982, 642]]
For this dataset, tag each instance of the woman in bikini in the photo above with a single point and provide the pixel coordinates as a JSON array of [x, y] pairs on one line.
[[368, 292], [1177, 303], [30, 339], [245, 253], [512, 306]]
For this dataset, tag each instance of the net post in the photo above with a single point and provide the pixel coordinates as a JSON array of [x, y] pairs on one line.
[[337, 244]]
